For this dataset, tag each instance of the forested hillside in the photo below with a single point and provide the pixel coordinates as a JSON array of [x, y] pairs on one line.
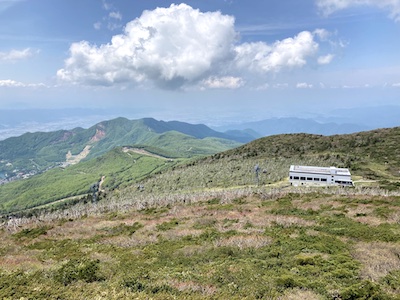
[[206, 229], [372, 157], [33, 153]]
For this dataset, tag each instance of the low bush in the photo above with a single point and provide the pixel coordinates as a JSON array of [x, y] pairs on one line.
[[364, 290], [31, 233], [78, 269]]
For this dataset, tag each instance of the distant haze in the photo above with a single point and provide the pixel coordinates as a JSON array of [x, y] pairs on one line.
[[17, 122], [215, 62]]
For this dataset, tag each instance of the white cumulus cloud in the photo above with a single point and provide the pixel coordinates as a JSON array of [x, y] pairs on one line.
[[326, 59], [13, 83], [169, 46], [10, 83], [180, 46], [328, 7], [227, 82], [304, 85], [14, 55], [115, 15], [288, 53]]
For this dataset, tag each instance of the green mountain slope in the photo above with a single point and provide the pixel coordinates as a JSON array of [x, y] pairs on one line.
[[358, 151], [120, 167], [371, 156], [35, 152], [204, 230]]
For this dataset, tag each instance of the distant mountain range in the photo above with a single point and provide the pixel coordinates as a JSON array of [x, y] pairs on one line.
[[340, 121], [292, 125], [371, 117], [34, 152], [19, 121], [370, 155]]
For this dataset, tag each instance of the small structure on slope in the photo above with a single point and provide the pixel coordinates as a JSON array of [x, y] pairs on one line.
[[319, 176]]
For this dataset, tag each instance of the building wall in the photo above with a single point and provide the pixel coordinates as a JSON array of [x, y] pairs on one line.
[[296, 178]]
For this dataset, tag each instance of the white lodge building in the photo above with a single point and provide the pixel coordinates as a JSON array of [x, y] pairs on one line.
[[307, 175]]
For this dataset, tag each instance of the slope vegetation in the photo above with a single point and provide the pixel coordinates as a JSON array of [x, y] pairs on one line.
[[206, 230], [36, 152], [120, 168], [243, 244], [371, 156]]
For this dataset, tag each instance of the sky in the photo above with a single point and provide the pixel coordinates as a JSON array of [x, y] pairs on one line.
[[209, 61]]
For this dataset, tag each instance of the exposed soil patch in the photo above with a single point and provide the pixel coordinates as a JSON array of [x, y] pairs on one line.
[[74, 159]]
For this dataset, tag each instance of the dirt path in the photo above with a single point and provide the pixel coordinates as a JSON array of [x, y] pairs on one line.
[[142, 151], [101, 183]]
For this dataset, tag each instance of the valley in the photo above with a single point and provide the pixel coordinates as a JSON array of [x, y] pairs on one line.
[[233, 150], [204, 227]]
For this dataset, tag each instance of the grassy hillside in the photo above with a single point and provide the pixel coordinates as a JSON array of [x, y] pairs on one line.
[[371, 156], [235, 244], [205, 230], [39, 151], [357, 151], [120, 168]]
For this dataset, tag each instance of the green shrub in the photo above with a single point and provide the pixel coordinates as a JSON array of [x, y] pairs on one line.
[[31, 233], [383, 211], [240, 200], [363, 290], [343, 226], [168, 225], [78, 269], [392, 280], [143, 284], [214, 201], [306, 259], [287, 281], [57, 249], [204, 223], [123, 229], [134, 285]]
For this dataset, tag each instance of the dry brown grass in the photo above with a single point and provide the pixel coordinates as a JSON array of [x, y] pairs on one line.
[[316, 204], [179, 232], [21, 260], [300, 294], [377, 258], [288, 221], [191, 286], [394, 217], [125, 201], [244, 241], [363, 213], [193, 249], [130, 241]]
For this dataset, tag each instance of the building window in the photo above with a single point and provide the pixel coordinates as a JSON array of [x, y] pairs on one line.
[[296, 177], [316, 179], [323, 179], [302, 178], [309, 178]]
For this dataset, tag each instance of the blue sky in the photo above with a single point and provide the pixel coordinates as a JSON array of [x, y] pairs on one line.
[[203, 60]]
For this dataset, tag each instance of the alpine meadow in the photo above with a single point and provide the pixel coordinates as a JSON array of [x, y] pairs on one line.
[[204, 228], [206, 149]]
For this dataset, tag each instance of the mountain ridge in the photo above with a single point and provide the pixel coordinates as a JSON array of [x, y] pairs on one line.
[[288, 125], [372, 156], [35, 152]]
